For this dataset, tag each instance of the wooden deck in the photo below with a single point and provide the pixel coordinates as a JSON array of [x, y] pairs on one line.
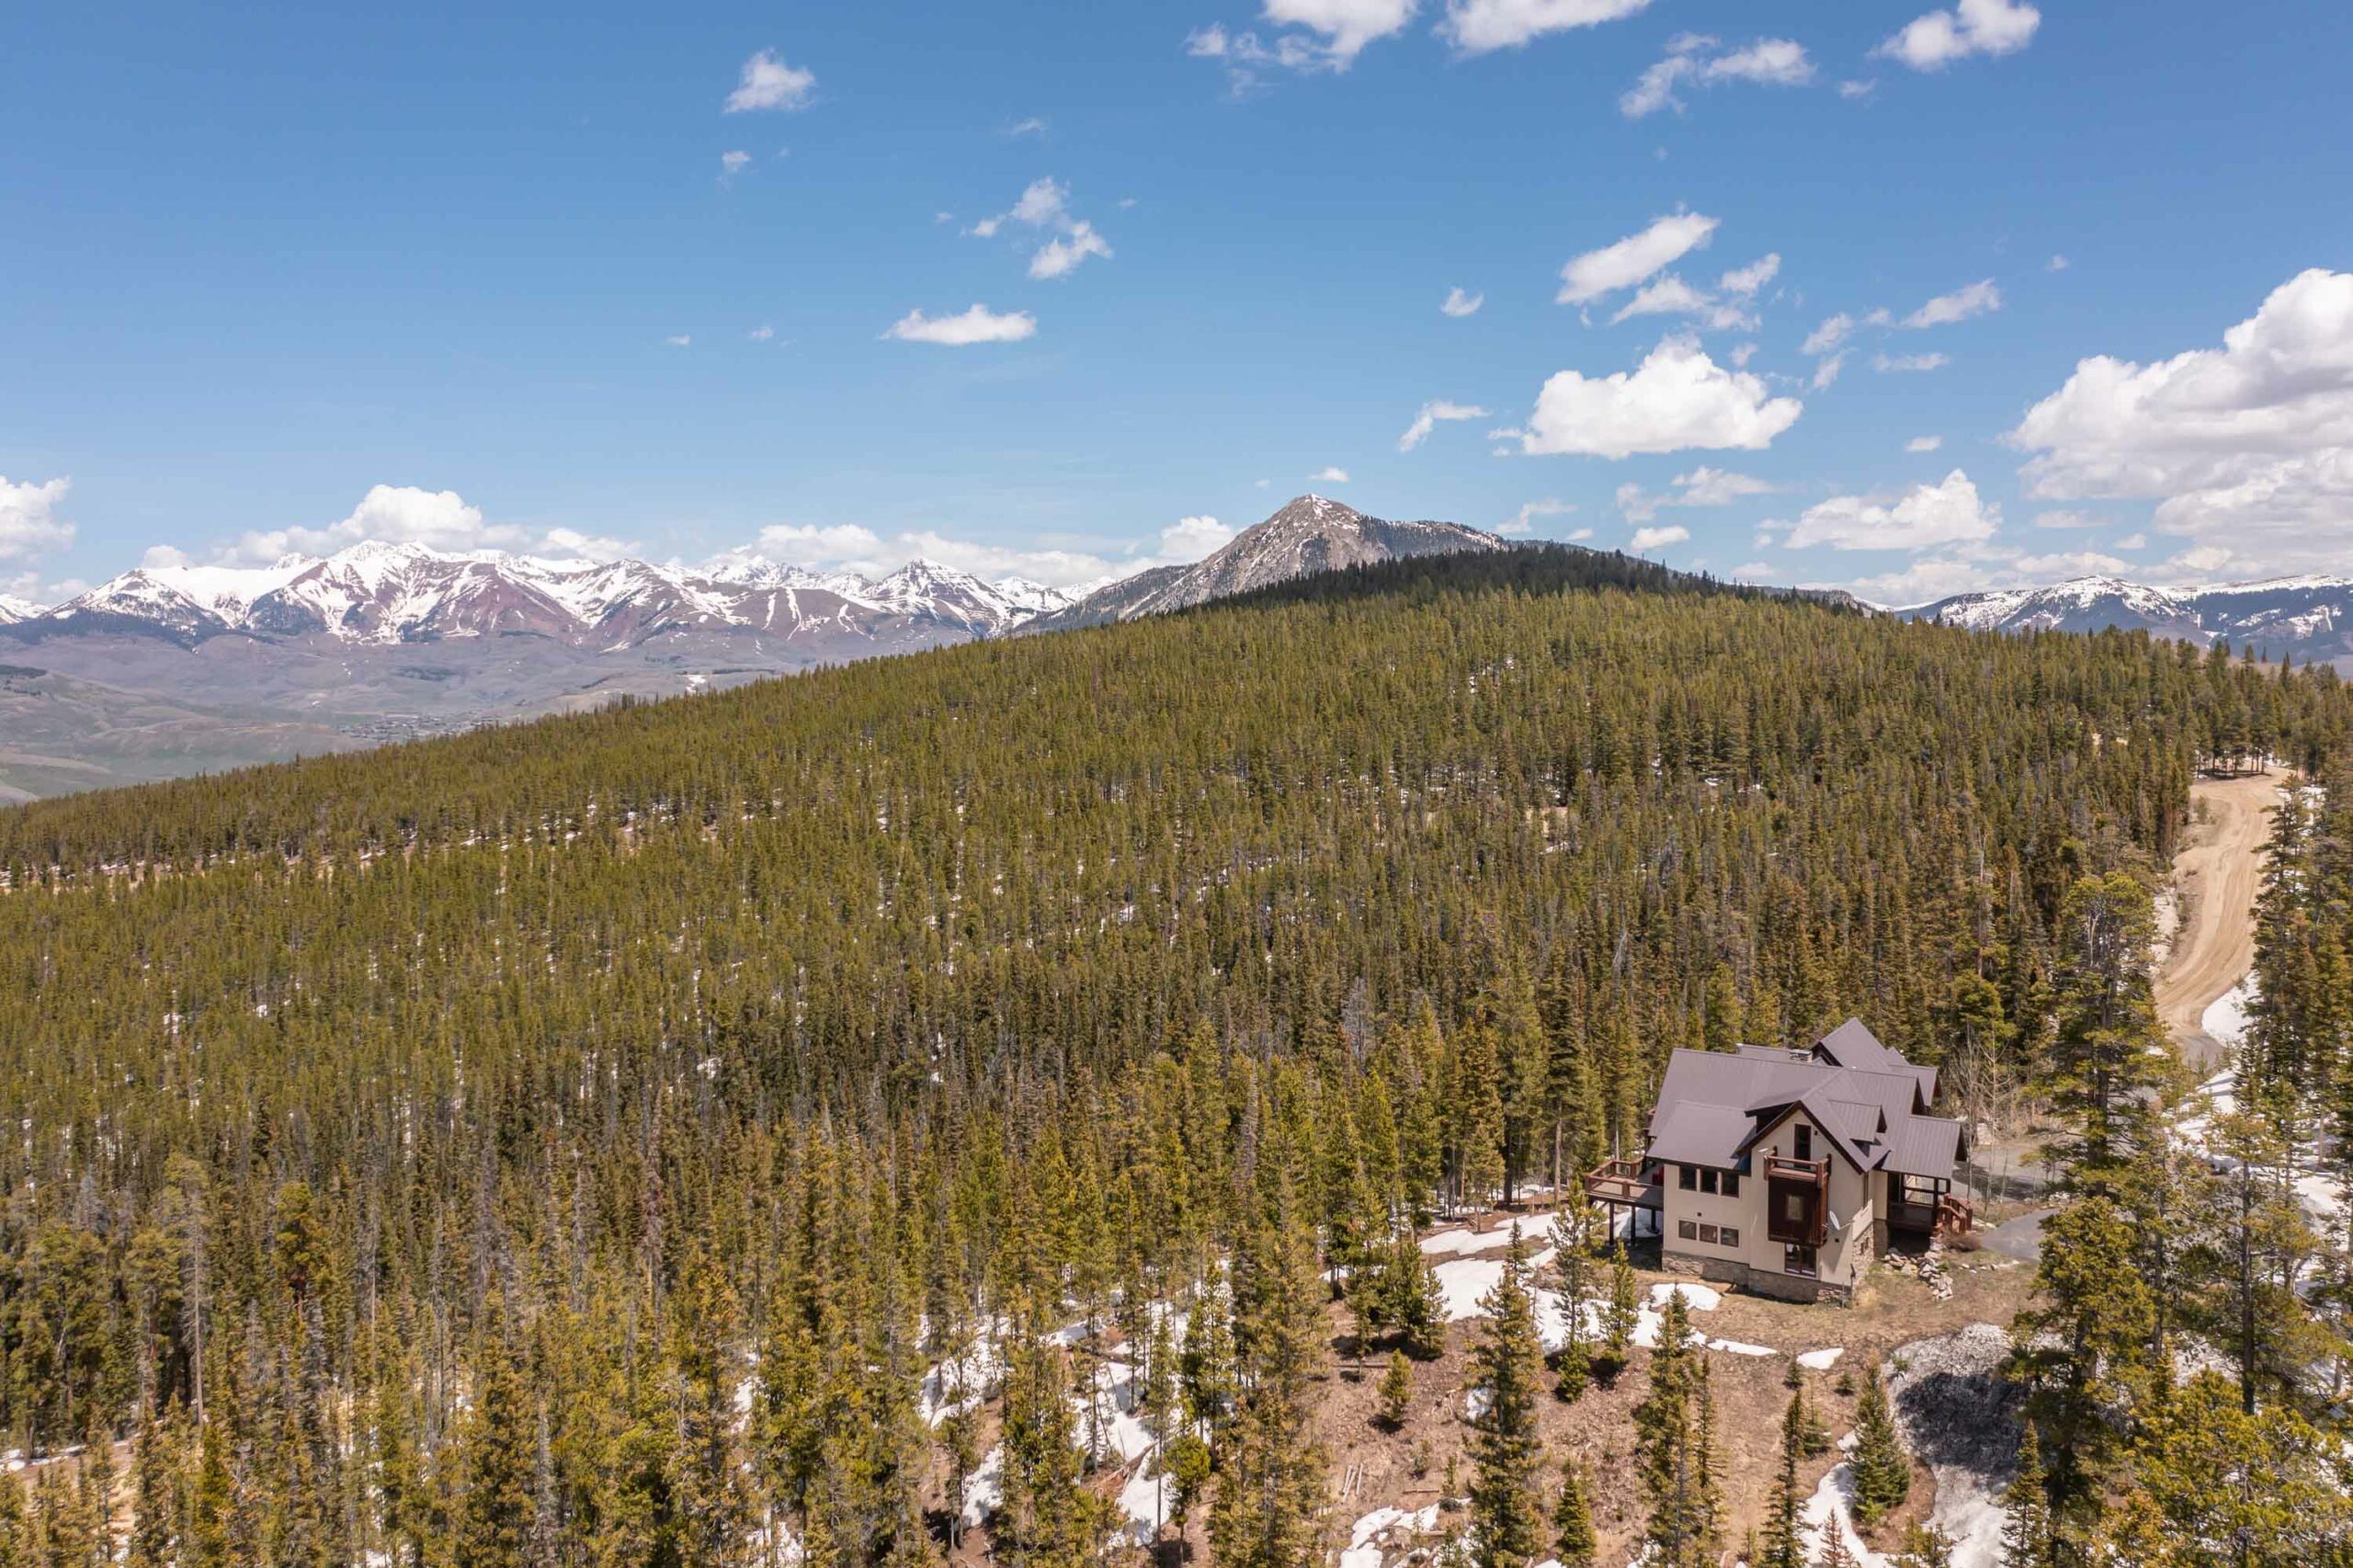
[[1947, 1216], [1624, 1181]]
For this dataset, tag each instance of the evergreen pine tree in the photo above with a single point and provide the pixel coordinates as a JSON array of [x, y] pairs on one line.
[[496, 1457], [1882, 1469], [1620, 1314], [1270, 1486], [1508, 1457], [1672, 1456], [2026, 1525], [1572, 1534], [1783, 1544], [1396, 1391]]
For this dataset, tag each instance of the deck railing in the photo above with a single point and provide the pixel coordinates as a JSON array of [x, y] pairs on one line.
[[1622, 1181]]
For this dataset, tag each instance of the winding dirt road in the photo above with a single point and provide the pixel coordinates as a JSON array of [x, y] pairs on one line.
[[2215, 874]]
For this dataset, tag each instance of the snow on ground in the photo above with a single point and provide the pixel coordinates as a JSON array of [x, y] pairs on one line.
[[984, 1488], [1696, 1298], [2226, 1017], [1461, 1243], [1463, 1282], [1822, 1360], [1108, 1429], [1957, 1415], [1385, 1526], [2322, 1196], [1828, 1510]]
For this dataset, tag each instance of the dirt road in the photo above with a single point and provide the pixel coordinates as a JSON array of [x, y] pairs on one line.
[[2214, 946]]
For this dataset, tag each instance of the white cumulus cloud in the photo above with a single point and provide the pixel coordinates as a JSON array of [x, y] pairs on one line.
[[768, 83], [1648, 540], [1458, 303], [408, 514], [1924, 443], [1833, 331], [1630, 260], [1476, 27], [1677, 399], [1347, 26], [978, 324], [1428, 420], [1695, 60], [29, 524], [1933, 41], [1702, 486], [1975, 300], [1924, 518], [1899, 364], [1523, 522], [1329, 476], [2247, 448], [1044, 203], [1669, 295]]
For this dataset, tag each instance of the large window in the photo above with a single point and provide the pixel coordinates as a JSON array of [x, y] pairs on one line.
[[1687, 1178], [1798, 1260], [1801, 1140], [1707, 1181], [1732, 1183], [1687, 1230], [1732, 1235]]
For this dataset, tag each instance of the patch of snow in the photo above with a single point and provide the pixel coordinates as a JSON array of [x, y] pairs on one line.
[[1822, 1360], [1829, 1509], [1696, 1298], [2226, 1018], [1734, 1348], [1366, 1539], [1461, 1243]]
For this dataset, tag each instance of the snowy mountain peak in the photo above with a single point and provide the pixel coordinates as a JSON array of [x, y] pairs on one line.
[[385, 591], [14, 609], [2310, 617], [1309, 533]]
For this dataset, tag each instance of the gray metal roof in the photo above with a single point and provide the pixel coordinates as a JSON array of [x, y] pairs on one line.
[[1714, 1105], [1692, 1133], [1924, 1146]]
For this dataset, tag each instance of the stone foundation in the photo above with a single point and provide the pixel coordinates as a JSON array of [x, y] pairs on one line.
[[1757, 1281]]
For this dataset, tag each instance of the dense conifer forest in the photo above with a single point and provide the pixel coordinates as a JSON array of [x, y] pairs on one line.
[[690, 1134]]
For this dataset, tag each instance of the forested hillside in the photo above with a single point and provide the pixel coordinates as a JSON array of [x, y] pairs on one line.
[[433, 1151]]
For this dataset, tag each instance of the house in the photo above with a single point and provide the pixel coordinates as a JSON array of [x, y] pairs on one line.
[[1786, 1172]]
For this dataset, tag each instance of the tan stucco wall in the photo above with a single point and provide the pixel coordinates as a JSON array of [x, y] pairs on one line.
[[1844, 1255]]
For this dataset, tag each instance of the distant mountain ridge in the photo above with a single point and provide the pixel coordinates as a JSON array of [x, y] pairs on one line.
[[2309, 618], [382, 641], [383, 594]]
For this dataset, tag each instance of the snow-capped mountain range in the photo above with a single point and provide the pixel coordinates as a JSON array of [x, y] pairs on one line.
[[385, 594], [175, 669], [2309, 617]]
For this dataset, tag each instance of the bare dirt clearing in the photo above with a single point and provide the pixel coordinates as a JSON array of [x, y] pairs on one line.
[[2216, 874]]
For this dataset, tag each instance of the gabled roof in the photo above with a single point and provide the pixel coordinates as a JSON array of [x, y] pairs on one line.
[[1714, 1106]]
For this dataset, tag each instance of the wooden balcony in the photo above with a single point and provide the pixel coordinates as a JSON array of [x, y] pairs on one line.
[[1780, 1168], [1624, 1181], [1797, 1197]]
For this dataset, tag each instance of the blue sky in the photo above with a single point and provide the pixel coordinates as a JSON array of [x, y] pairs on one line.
[[258, 264]]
